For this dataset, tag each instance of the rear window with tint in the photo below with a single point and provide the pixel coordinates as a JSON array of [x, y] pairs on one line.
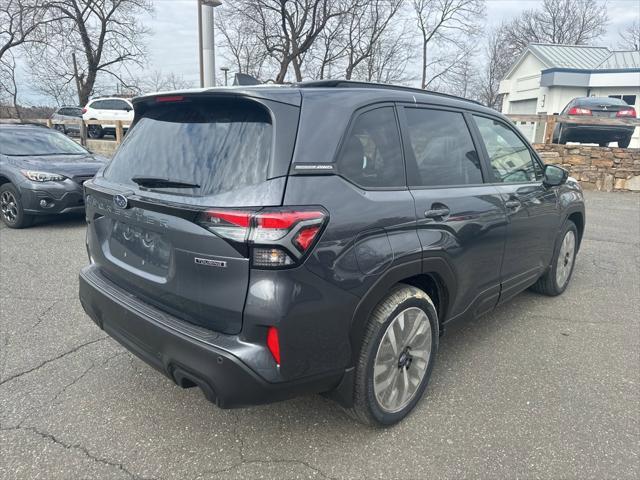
[[372, 154], [219, 145]]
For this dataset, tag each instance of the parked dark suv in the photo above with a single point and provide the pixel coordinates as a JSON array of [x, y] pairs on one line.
[[263, 242]]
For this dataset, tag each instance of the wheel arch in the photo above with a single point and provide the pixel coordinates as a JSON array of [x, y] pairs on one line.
[[433, 285], [577, 218], [432, 275]]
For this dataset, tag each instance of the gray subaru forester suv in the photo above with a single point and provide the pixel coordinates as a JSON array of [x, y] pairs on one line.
[[264, 242]]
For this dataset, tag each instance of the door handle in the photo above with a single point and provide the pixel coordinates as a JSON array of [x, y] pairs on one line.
[[437, 213], [512, 204]]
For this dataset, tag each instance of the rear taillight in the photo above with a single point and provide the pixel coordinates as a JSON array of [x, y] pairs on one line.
[[279, 238], [579, 111], [627, 112], [231, 224], [84, 110]]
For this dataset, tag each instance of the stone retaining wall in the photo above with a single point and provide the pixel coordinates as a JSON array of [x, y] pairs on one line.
[[102, 147], [597, 168]]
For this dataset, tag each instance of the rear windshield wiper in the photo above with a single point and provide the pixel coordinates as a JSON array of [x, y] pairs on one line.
[[155, 182]]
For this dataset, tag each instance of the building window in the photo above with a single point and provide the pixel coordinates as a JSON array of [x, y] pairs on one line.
[[628, 99]]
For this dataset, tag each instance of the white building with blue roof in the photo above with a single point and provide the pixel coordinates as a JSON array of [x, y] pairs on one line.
[[546, 77]]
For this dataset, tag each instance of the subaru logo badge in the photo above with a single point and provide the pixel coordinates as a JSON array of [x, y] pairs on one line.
[[120, 201]]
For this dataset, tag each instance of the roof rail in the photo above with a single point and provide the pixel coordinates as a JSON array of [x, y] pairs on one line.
[[358, 84], [123, 96]]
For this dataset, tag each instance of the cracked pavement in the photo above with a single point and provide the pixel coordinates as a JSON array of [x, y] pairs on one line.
[[540, 388]]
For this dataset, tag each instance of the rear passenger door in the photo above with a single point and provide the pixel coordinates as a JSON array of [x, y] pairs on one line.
[[122, 110], [459, 217], [113, 112], [379, 205], [532, 210], [100, 111]]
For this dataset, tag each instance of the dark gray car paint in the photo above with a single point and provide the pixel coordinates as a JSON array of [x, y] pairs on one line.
[[67, 194], [373, 240]]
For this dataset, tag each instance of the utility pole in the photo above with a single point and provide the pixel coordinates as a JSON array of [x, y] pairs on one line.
[[207, 42]]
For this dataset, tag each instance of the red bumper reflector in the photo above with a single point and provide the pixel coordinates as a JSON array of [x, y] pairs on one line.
[[273, 343]]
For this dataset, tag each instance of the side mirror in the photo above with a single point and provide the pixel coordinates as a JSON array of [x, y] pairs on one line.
[[554, 175]]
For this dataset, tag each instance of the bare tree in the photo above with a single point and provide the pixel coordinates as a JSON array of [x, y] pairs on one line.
[[367, 22], [448, 24], [21, 22], [630, 36], [497, 62], [390, 57], [158, 81], [8, 84], [240, 44], [328, 50], [564, 22], [91, 37], [461, 79], [287, 29], [356, 44]]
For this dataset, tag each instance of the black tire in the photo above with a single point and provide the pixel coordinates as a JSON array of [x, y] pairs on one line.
[[603, 144], [562, 139], [548, 284], [624, 143], [11, 211], [60, 127], [367, 409], [95, 131]]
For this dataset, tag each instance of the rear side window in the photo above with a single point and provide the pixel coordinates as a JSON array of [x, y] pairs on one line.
[[111, 104], [119, 105], [219, 145], [443, 149], [372, 154], [511, 159], [99, 104]]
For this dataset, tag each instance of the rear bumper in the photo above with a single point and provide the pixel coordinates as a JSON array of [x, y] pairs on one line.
[[595, 133], [188, 354]]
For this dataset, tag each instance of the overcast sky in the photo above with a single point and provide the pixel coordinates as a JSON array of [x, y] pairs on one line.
[[173, 45]]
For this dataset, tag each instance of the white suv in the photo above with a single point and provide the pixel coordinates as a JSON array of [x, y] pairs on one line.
[[109, 109]]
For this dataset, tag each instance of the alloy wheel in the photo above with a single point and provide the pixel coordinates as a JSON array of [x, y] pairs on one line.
[[402, 359], [9, 207], [565, 258]]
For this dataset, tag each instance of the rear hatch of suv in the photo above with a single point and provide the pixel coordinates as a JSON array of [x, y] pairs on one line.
[[151, 229]]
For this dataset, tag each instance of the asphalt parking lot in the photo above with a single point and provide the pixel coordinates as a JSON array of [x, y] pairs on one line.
[[541, 388]]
